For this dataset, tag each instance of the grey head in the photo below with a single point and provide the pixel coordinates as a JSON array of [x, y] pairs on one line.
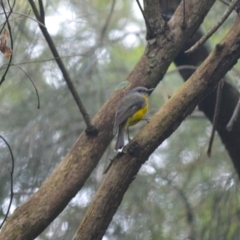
[[141, 90]]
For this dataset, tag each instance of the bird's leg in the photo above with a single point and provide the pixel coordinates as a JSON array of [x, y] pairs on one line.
[[145, 119], [129, 139]]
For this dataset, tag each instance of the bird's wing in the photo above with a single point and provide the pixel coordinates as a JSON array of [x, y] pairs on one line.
[[124, 112]]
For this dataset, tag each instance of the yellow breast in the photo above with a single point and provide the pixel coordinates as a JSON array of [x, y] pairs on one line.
[[136, 117]]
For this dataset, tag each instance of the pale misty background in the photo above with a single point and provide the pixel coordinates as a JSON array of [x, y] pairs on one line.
[[177, 191]]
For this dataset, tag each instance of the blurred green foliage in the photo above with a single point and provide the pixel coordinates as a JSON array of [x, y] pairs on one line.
[[178, 194]]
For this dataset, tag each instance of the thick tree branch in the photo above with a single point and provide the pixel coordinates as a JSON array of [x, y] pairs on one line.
[[230, 97], [150, 33], [67, 179], [153, 19], [127, 164]]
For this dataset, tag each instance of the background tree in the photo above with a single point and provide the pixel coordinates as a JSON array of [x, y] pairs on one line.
[[178, 193]]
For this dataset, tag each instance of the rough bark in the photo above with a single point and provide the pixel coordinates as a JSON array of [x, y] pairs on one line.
[[162, 124], [29, 220], [230, 96]]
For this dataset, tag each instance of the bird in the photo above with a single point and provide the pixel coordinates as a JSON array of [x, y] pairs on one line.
[[131, 109]]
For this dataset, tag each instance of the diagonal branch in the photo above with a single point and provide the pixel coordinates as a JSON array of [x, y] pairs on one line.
[[127, 164], [215, 28], [91, 130], [107, 22], [230, 97], [216, 115], [154, 22], [150, 34], [234, 117], [19, 14], [30, 219], [42, 12]]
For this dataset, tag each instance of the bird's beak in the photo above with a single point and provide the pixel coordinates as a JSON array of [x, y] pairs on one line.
[[150, 90]]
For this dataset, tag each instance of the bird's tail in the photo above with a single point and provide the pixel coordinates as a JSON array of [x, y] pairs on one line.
[[120, 138]]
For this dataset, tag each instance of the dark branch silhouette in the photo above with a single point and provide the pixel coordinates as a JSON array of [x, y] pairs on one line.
[[150, 32], [184, 16], [91, 130], [42, 12], [215, 116], [10, 34], [11, 182]]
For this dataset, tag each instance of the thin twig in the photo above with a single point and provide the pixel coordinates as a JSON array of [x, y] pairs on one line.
[[183, 67], [145, 19], [214, 29], [91, 130], [35, 88], [9, 13], [215, 116], [24, 15], [108, 167], [4, 12], [234, 117], [11, 38], [40, 61], [101, 37], [11, 184], [107, 22]]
